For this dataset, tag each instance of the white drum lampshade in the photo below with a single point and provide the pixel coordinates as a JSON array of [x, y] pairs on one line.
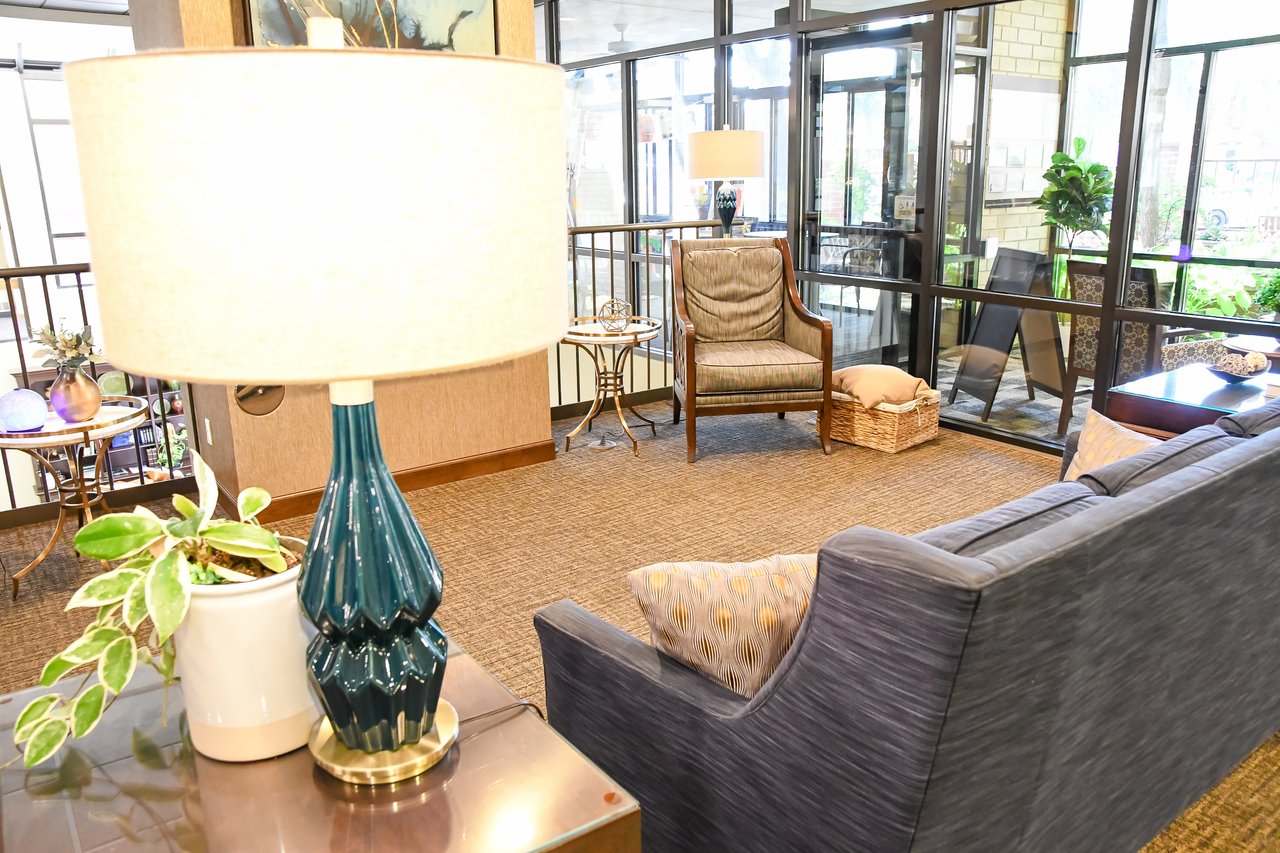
[[726, 154], [303, 216]]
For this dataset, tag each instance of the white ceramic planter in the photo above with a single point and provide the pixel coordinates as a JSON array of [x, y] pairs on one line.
[[242, 660]]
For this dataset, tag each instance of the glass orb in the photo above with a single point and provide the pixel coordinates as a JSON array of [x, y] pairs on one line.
[[22, 409]]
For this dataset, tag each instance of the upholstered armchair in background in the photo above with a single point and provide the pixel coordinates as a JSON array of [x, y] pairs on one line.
[[744, 342]]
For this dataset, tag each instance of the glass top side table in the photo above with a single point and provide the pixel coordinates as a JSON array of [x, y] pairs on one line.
[[510, 783], [592, 336], [77, 493]]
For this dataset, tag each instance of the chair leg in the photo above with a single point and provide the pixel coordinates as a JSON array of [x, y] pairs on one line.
[[824, 427], [691, 435], [1068, 398], [782, 416], [675, 409]]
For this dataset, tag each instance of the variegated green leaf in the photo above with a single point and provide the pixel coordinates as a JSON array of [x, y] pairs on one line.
[[55, 669], [33, 714], [184, 506], [243, 540], [230, 574], [117, 535], [91, 645], [45, 741], [135, 604], [168, 593], [252, 501], [104, 589], [206, 484], [146, 513], [106, 613], [87, 709], [117, 663]]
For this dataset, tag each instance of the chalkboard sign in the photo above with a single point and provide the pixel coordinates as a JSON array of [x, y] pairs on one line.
[[987, 352]]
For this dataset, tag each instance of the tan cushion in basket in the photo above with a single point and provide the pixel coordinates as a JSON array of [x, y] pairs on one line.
[[748, 366], [873, 384], [732, 622], [1103, 441]]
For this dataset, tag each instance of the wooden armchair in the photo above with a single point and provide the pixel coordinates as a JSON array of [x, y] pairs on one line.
[[743, 340]]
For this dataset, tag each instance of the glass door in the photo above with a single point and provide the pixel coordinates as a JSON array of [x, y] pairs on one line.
[[861, 224]]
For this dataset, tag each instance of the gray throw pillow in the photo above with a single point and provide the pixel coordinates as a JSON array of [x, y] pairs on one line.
[[978, 534], [1154, 462]]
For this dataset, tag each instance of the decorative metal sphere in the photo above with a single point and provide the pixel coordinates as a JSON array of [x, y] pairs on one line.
[[615, 315], [22, 409]]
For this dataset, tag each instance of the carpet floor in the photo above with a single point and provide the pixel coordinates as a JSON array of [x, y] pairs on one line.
[[571, 528]]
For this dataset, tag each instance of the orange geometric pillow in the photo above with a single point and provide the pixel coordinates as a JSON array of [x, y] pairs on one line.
[[732, 622]]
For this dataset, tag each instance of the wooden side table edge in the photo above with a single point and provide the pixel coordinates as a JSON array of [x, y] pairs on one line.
[[619, 835]]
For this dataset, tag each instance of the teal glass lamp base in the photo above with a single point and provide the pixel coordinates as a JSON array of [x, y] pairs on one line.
[[371, 584], [726, 206]]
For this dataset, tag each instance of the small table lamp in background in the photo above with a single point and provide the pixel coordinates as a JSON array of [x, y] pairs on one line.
[[726, 155], [326, 216]]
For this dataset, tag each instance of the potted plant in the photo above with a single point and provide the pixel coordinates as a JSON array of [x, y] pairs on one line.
[[221, 599], [1078, 195]]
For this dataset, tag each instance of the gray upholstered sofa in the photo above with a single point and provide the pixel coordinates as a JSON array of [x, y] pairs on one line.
[[1064, 673]]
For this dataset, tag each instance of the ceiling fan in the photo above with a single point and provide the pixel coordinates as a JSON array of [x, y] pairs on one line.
[[621, 45]]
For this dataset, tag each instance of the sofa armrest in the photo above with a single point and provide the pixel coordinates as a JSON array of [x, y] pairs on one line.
[[582, 653]]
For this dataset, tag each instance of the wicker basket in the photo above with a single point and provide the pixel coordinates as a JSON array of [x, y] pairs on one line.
[[887, 427]]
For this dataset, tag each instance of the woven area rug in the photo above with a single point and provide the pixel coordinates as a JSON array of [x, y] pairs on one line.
[[571, 528]]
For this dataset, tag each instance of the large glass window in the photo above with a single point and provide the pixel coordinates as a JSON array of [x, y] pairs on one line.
[[760, 79], [673, 99], [594, 28], [594, 113]]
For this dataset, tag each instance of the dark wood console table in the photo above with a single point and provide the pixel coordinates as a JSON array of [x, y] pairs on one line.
[[1171, 403]]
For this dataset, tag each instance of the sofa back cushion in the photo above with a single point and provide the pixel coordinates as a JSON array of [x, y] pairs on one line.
[[1158, 461], [1252, 423], [733, 289], [977, 534]]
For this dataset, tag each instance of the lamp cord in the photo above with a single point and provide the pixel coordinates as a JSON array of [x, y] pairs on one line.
[[523, 703]]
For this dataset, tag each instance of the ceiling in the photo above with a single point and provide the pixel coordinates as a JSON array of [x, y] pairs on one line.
[[109, 7]]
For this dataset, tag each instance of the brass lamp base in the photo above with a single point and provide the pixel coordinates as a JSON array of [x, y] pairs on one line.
[[382, 768]]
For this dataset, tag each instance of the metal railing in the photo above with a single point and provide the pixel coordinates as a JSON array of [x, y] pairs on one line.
[[631, 262], [135, 462]]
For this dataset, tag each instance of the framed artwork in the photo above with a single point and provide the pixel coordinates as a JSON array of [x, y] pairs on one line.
[[461, 26]]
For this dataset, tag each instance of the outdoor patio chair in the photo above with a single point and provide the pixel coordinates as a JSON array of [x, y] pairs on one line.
[[1140, 342]]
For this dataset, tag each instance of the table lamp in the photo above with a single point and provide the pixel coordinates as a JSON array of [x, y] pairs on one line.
[[328, 216], [725, 155]]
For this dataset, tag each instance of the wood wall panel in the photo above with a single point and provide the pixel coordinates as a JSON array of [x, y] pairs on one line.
[[422, 421]]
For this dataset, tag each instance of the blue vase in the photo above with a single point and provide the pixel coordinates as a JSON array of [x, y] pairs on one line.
[[370, 584]]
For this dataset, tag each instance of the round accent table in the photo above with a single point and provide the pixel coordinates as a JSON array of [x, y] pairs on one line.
[[591, 336], [76, 492]]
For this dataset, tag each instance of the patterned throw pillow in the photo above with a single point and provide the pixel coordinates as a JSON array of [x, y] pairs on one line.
[[732, 622], [1103, 441]]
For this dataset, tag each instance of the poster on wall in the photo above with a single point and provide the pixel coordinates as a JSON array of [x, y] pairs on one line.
[[460, 26]]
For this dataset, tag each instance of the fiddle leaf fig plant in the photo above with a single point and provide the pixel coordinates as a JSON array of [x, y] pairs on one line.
[[161, 560], [1078, 195]]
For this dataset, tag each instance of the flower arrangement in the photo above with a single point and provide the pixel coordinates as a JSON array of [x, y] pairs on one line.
[[67, 349], [162, 560]]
